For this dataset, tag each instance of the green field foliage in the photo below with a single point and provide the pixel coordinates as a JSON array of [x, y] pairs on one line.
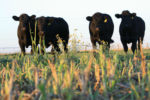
[[76, 75]]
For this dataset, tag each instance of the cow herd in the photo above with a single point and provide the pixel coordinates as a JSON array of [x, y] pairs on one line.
[[46, 30]]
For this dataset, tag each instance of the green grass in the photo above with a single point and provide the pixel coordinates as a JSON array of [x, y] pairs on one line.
[[76, 76]]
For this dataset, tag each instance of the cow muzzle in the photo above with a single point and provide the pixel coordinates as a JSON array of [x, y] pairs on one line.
[[23, 29], [97, 29], [41, 33]]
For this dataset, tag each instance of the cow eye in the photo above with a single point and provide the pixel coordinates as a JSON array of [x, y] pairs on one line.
[[22, 17]]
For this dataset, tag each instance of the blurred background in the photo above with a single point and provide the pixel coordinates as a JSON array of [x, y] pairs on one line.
[[74, 12]]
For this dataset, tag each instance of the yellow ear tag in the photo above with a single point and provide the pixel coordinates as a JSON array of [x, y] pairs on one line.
[[105, 21]]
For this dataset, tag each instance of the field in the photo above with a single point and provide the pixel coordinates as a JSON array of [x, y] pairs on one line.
[[112, 75]]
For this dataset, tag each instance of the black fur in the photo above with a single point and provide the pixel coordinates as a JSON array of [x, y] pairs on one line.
[[51, 27], [101, 28], [24, 30], [132, 29]]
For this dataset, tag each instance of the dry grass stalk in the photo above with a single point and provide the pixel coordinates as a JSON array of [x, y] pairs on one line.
[[72, 67], [143, 61], [101, 89], [97, 75], [109, 67], [7, 91], [136, 93], [67, 80], [130, 70], [123, 71], [87, 70], [141, 51], [53, 69], [3, 75], [36, 77], [77, 76], [86, 76], [143, 68]]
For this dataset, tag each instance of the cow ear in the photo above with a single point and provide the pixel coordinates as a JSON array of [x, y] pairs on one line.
[[89, 18], [15, 18], [33, 17], [133, 14], [51, 20], [118, 16]]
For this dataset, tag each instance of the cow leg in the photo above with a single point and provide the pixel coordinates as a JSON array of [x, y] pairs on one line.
[[133, 47], [94, 44], [42, 47], [52, 49], [139, 44], [31, 50], [41, 36], [101, 44], [108, 46], [55, 44], [94, 47], [23, 49], [22, 46], [125, 47], [65, 43], [140, 41]]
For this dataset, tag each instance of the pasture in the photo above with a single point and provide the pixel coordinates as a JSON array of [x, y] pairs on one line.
[[76, 76]]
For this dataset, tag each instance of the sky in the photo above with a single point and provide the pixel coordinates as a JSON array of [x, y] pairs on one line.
[[73, 11]]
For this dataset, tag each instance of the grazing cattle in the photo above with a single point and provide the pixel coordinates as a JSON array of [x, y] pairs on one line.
[[101, 28], [25, 28], [132, 29], [49, 28]]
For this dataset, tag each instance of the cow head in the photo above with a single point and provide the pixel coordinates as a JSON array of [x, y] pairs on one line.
[[98, 20], [24, 20], [127, 18]]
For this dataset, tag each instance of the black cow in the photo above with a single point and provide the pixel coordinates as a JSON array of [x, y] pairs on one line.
[[25, 28], [132, 29], [101, 28], [49, 29]]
